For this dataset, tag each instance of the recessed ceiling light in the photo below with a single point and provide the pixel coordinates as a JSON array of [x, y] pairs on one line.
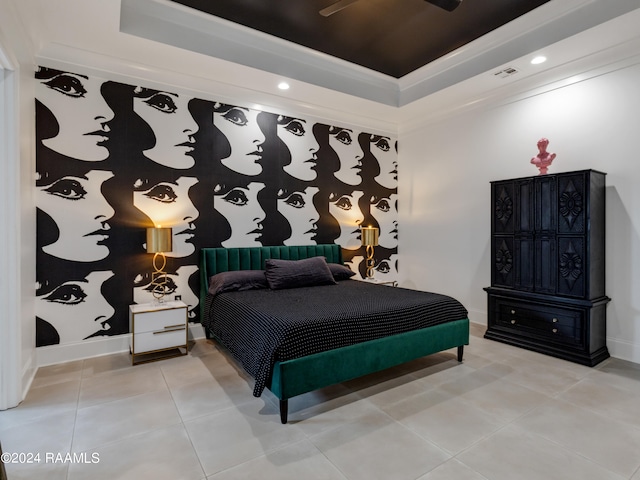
[[283, 86], [538, 60]]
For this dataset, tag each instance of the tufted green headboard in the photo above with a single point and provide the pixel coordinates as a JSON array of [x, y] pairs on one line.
[[215, 260]]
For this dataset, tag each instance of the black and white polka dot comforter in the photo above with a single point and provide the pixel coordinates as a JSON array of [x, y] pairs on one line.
[[260, 327]]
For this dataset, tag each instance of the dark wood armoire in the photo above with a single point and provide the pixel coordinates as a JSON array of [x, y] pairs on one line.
[[547, 288]]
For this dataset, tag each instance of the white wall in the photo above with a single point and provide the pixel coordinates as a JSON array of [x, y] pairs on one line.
[[446, 167], [17, 342]]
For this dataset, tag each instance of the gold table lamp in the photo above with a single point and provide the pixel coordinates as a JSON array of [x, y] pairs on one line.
[[159, 241], [369, 237]]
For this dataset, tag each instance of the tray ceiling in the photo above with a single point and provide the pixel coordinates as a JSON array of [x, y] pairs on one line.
[[389, 51], [393, 37]]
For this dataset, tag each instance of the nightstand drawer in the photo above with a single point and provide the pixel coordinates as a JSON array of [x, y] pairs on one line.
[[553, 323], [159, 320], [160, 340], [157, 328]]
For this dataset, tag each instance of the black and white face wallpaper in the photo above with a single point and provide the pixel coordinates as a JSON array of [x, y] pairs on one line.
[[113, 159]]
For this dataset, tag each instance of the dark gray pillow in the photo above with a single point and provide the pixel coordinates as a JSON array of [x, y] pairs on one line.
[[237, 280], [298, 273], [340, 272]]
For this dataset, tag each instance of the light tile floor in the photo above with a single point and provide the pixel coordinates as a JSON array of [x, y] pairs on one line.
[[504, 413]]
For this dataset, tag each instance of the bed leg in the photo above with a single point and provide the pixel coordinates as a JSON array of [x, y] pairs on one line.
[[284, 410], [460, 352]]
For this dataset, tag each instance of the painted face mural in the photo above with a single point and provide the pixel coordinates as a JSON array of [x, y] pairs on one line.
[[240, 207], [386, 268], [354, 263], [385, 265], [240, 127], [114, 158], [298, 208], [76, 309], [80, 111], [181, 279], [345, 143], [168, 116], [344, 208], [384, 151], [297, 135], [167, 204], [384, 210], [80, 212], [177, 284]]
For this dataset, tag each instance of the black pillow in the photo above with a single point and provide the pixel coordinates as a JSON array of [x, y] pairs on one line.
[[237, 280], [298, 273], [340, 272]]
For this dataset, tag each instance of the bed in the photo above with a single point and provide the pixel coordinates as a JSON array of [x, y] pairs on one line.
[[296, 340]]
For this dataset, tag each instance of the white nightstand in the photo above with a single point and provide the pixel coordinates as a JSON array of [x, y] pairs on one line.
[[157, 329], [389, 283]]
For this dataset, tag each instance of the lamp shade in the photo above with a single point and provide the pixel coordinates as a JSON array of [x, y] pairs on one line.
[[369, 236], [159, 240]]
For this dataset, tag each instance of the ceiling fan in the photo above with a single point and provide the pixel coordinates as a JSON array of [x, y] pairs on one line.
[[448, 5]]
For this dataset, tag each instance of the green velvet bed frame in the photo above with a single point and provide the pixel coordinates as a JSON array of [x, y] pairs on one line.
[[301, 375]]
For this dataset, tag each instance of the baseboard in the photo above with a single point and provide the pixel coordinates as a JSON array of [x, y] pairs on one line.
[[98, 347], [478, 316], [29, 373], [623, 350]]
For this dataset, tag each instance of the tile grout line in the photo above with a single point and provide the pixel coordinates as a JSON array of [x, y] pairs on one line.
[[75, 416], [186, 430]]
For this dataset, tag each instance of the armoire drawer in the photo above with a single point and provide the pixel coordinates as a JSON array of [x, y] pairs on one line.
[[556, 324]]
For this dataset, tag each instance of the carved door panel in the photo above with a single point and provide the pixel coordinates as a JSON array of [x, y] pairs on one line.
[[572, 263], [571, 204], [545, 230], [525, 206], [572, 254], [545, 205], [503, 271], [524, 262], [545, 268], [503, 221], [503, 208]]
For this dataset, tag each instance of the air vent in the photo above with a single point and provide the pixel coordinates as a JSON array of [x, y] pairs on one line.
[[506, 72]]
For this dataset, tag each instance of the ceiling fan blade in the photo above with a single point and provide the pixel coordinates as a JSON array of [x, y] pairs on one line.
[[336, 7], [448, 5]]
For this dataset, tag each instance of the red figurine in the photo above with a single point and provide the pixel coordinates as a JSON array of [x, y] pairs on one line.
[[544, 159]]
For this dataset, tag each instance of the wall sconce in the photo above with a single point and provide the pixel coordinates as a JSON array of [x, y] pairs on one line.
[[369, 236], [159, 241]]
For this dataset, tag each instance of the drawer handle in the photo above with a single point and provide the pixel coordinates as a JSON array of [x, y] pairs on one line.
[[555, 330], [169, 331], [513, 322], [174, 326], [555, 320], [513, 312]]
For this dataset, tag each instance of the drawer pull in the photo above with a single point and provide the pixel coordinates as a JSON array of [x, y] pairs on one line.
[[513, 322], [555, 320], [179, 325], [169, 331], [513, 312], [555, 330]]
